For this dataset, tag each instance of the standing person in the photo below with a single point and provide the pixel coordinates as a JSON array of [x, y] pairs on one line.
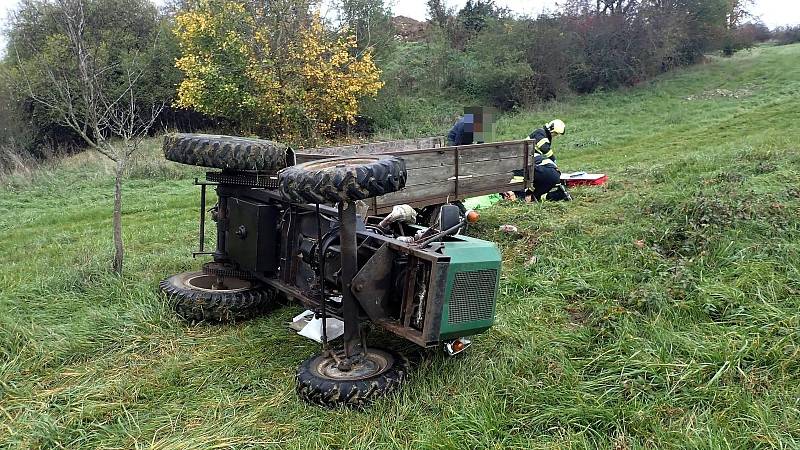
[[546, 176]]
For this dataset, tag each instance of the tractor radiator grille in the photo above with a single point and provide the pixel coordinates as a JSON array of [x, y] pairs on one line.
[[472, 298]]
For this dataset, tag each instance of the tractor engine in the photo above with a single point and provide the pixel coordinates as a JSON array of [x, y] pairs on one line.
[[444, 289]]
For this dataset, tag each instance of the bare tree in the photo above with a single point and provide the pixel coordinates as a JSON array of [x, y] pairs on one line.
[[98, 100], [737, 12]]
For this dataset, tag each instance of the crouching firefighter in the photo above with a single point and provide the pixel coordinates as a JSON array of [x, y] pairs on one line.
[[546, 176]]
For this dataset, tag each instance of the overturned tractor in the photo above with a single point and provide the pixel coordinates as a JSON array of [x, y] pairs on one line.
[[304, 232]]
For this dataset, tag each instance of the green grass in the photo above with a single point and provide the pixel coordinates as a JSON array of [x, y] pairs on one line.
[[662, 311]]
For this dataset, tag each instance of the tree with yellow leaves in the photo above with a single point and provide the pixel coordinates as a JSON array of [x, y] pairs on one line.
[[283, 77]]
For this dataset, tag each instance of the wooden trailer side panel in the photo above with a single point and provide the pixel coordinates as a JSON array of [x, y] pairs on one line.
[[374, 148], [437, 176], [445, 174]]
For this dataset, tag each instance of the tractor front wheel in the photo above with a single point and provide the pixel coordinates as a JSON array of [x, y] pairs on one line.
[[379, 373], [200, 297]]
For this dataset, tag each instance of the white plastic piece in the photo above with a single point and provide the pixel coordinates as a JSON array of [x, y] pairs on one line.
[[301, 320], [304, 316], [581, 176], [510, 229], [313, 330]]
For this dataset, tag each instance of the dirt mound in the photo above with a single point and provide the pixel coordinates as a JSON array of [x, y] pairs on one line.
[[410, 30]]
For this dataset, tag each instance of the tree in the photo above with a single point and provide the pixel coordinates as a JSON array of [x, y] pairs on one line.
[[116, 29], [370, 21], [275, 71], [439, 13], [476, 13], [737, 12], [90, 88]]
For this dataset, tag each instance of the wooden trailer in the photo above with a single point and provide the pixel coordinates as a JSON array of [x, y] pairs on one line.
[[439, 174]]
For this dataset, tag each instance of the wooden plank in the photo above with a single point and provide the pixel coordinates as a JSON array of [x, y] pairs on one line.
[[482, 169], [373, 148], [432, 157], [308, 157], [465, 171], [446, 189], [440, 157], [383, 208]]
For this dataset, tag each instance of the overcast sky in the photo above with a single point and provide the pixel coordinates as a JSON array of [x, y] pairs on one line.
[[774, 13]]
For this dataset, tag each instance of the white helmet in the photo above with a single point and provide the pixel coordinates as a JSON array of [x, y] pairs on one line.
[[557, 127]]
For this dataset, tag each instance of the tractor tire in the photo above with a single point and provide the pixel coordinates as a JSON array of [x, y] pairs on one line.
[[319, 382], [337, 180], [196, 299], [227, 152]]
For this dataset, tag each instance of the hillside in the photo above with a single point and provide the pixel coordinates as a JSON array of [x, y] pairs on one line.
[[660, 312]]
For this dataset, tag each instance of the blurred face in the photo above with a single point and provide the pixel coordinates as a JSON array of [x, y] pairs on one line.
[[482, 123]]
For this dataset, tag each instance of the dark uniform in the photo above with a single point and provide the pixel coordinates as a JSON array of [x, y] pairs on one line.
[[546, 175], [542, 140], [462, 132]]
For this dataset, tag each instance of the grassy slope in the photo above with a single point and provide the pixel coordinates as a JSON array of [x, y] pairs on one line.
[[688, 339]]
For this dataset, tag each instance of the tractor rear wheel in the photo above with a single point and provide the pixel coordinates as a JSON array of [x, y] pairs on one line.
[[337, 180], [199, 297], [380, 373], [227, 152]]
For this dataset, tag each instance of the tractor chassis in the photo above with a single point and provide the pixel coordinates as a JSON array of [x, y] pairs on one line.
[[353, 311]]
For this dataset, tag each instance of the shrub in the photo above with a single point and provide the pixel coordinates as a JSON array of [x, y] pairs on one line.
[[494, 67], [121, 30], [787, 35], [241, 62]]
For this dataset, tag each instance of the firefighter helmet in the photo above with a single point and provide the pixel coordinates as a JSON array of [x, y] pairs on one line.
[[557, 127]]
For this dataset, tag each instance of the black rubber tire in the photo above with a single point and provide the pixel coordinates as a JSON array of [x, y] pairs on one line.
[[227, 152], [342, 179], [319, 389], [195, 304], [227, 270]]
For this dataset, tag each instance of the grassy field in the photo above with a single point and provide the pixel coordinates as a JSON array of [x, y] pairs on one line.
[[662, 311]]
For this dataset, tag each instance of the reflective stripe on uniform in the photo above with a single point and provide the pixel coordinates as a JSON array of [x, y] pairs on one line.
[[541, 143], [546, 161], [548, 154]]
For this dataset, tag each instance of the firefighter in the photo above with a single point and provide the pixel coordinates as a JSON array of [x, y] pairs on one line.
[[543, 138], [546, 176]]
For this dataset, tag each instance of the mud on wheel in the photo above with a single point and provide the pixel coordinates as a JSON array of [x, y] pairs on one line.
[[199, 297], [343, 179], [380, 373], [227, 152]]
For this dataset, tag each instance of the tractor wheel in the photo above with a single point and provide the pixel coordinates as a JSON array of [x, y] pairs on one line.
[[227, 152], [198, 297], [381, 373], [343, 179]]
